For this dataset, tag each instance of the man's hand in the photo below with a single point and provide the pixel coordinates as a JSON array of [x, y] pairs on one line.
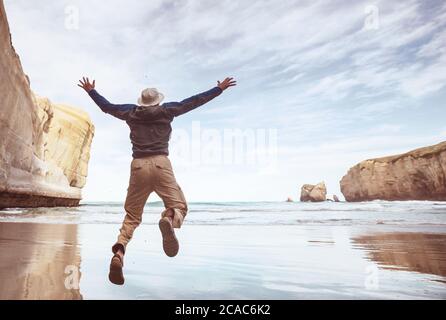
[[86, 85], [228, 82]]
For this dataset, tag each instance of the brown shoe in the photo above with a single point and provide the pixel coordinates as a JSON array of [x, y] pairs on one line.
[[116, 276], [170, 241]]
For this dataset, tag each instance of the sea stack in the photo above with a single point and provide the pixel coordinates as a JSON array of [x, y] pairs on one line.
[[416, 175], [44, 147], [313, 193]]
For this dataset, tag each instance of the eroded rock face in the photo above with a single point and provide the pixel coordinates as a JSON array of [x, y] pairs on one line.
[[416, 175], [44, 147], [313, 193]]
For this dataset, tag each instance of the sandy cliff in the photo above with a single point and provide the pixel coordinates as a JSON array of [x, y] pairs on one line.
[[44, 147], [416, 175]]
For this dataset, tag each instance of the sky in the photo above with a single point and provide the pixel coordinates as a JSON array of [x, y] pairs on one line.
[[322, 85]]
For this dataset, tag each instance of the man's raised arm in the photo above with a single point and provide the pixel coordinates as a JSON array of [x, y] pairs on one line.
[[119, 111], [178, 108]]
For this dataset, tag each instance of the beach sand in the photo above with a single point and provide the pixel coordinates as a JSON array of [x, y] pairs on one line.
[[44, 261], [34, 258]]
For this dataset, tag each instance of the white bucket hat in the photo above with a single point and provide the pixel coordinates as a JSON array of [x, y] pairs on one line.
[[150, 97]]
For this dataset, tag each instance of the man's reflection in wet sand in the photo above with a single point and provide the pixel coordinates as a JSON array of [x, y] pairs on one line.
[[419, 252], [39, 261]]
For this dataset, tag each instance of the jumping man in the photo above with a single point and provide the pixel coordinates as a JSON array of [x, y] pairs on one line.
[[151, 170]]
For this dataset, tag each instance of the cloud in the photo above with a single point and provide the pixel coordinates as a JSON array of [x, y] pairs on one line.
[[308, 69]]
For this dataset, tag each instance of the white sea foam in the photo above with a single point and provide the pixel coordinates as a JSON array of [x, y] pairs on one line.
[[250, 213]]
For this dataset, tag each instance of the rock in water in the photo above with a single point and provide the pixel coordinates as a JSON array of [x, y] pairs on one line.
[[335, 198], [313, 193], [44, 147], [416, 175]]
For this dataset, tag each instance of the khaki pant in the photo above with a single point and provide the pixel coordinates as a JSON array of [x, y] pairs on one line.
[[151, 174]]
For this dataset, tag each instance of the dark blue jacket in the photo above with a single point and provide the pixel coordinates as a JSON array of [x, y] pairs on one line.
[[150, 127]]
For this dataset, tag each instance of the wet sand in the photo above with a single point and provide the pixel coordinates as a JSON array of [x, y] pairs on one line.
[[419, 252], [43, 261], [34, 258]]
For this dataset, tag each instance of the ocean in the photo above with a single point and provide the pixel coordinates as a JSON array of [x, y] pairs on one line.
[[398, 213]]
